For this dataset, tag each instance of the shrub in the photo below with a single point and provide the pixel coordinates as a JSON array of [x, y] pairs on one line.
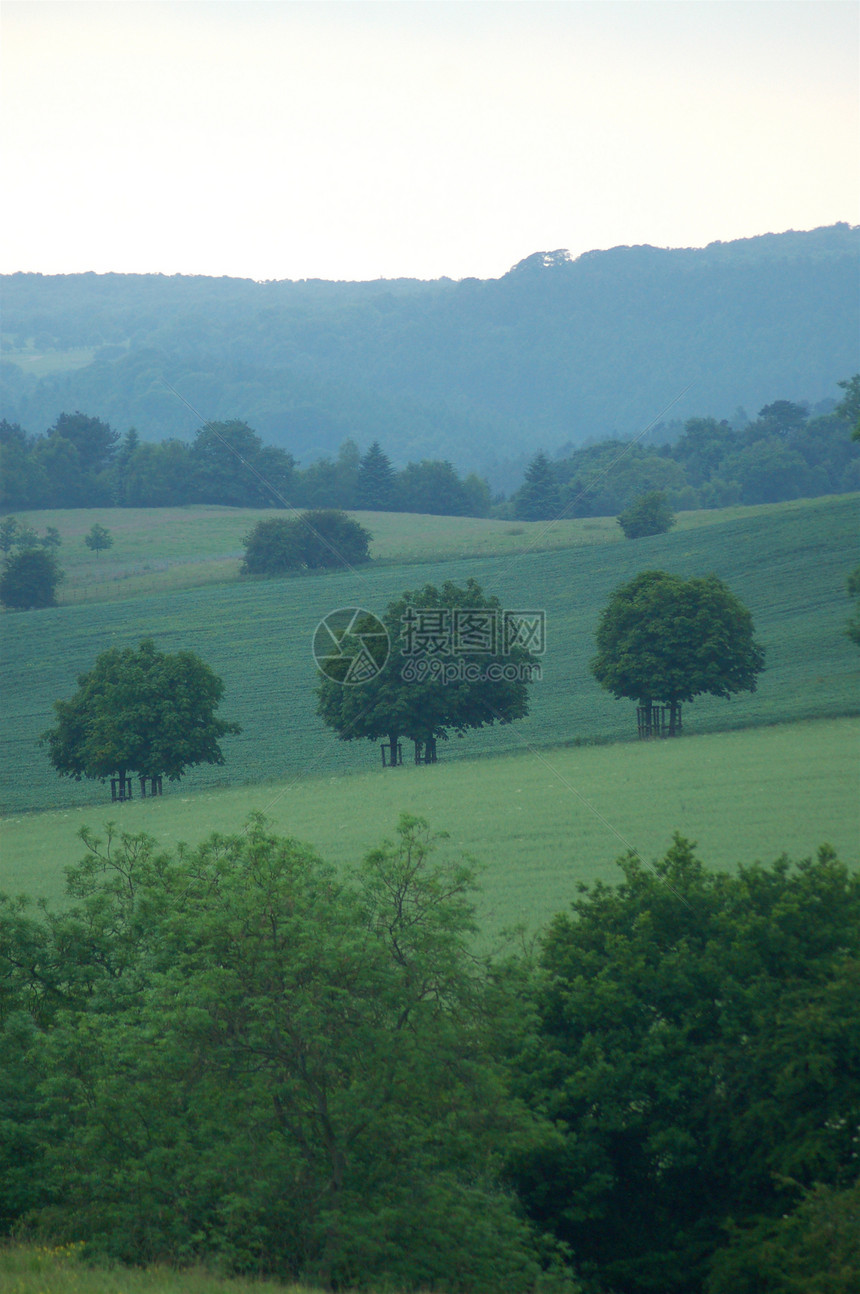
[[650, 514], [29, 579], [326, 538]]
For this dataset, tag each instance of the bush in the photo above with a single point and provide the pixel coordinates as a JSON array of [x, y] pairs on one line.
[[650, 514], [30, 579], [326, 538]]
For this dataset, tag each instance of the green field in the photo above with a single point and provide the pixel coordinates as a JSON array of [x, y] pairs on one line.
[[163, 550], [788, 566], [538, 821]]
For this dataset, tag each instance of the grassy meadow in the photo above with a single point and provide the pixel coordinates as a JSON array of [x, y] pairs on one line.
[[41, 1269], [539, 821], [164, 550]]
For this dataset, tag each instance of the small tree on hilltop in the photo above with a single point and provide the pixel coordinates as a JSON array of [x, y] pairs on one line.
[[409, 694], [139, 711], [650, 514], [29, 579], [98, 539], [664, 639]]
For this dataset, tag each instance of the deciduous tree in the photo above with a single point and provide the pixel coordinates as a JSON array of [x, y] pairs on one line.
[[139, 711], [699, 1053], [326, 538], [650, 514], [99, 539], [423, 694], [665, 639]]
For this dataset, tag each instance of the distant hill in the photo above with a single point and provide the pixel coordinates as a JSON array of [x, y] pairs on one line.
[[557, 351]]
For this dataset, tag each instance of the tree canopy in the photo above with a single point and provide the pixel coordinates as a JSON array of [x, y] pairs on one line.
[[426, 689], [689, 1027], [662, 638], [650, 514], [139, 710], [239, 1054], [323, 538]]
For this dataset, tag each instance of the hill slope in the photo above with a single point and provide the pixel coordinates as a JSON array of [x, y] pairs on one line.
[[788, 566]]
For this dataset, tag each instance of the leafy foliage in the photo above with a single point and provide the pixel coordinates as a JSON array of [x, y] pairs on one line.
[[98, 539], [698, 1050], [139, 711], [662, 638], [238, 1055], [650, 514], [29, 579], [411, 695], [326, 538]]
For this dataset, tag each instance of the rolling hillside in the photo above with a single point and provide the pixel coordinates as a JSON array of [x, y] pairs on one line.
[[788, 564]]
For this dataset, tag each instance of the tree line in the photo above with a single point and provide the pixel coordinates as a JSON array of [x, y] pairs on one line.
[[784, 453], [81, 461], [237, 1054]]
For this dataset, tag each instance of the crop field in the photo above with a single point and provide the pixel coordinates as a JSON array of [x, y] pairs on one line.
[[538, 821], [162, 550], [788, 567]]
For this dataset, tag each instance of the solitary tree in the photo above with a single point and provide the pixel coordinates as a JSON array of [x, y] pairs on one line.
[[664, 639], [441, 675], [98, 539], [650, 514], [29, 579], [139, 711]]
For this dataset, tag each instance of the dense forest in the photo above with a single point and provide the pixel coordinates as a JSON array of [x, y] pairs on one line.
[[482, 373]]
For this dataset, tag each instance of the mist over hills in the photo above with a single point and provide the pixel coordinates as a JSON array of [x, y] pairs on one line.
[[557, 351]]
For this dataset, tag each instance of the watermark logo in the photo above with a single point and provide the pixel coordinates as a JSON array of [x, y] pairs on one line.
[[351, 645], [471, 631]]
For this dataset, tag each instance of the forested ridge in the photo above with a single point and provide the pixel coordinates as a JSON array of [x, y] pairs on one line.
[[555, 352]]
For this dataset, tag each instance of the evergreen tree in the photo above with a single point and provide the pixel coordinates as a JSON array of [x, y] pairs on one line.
[[376, 481], [539, 497]]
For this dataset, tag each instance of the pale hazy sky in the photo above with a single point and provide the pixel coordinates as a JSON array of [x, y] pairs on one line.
[[418, 138]]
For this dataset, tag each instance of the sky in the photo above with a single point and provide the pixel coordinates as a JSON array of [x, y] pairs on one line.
[[344, 139]]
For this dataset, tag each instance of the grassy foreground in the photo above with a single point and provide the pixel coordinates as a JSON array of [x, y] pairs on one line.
[[39, 1269], [538, 821]]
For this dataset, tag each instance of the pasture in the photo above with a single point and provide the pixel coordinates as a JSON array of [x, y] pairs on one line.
[[788, 566], [164, 550], [538, 822]]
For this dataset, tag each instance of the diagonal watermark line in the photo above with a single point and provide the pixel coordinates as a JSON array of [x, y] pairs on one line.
[[265, 483]]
